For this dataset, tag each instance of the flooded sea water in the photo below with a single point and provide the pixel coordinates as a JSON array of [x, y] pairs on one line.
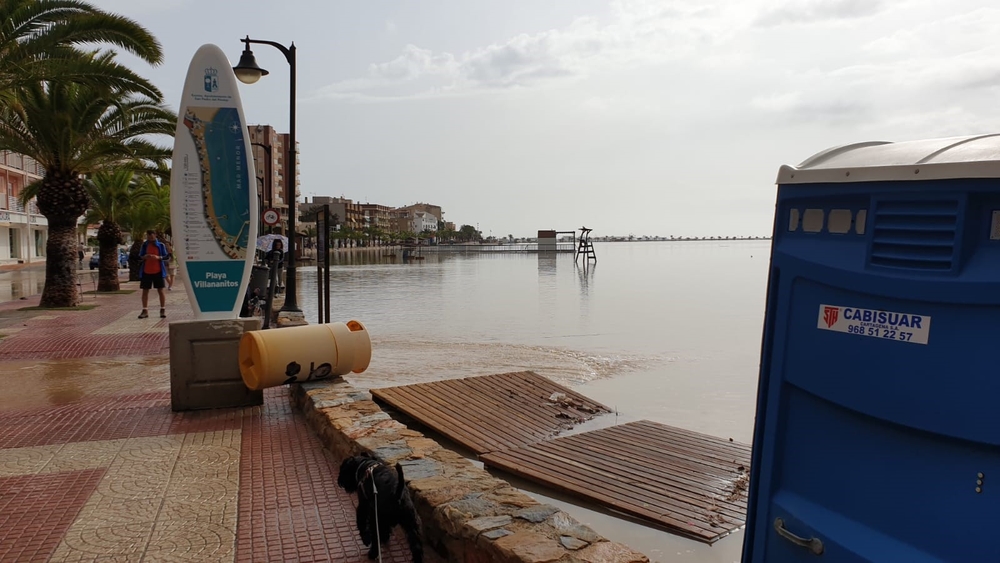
[[22, 283], [663, 331]]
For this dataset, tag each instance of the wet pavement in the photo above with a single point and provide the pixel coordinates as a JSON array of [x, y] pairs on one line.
[[95, 467], [21, 280]]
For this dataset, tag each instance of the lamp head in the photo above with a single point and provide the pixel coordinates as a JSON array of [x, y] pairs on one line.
[[247, 70]]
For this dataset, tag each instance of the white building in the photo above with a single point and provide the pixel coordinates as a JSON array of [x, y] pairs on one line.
[[23, 231], [423, 221]]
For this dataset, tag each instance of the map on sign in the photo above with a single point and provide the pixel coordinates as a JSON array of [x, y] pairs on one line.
[[218, 139]]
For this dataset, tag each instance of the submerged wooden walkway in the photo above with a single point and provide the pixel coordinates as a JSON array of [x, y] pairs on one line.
[[493, 412], [688, 483]]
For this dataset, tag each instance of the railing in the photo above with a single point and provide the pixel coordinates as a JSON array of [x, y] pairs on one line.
[[18, 161], [13, 204], [515, 247]]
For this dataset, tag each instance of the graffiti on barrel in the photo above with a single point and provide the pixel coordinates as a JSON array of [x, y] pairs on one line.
[[293, 369]]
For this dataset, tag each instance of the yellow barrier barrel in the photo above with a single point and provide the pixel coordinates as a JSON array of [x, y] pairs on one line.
[[303, 353]]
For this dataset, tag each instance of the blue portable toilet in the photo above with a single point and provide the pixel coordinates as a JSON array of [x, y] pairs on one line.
[[877, 435]]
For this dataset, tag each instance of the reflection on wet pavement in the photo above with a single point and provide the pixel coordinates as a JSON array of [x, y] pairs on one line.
[[22, 283], [34, 384]]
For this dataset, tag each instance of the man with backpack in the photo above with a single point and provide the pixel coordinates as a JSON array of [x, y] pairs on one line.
[[153, 255]]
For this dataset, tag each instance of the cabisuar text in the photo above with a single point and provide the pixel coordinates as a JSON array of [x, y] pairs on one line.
[[903, 327], [883, 318]]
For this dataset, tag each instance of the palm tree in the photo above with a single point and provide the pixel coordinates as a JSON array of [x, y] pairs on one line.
[[73, 129], [39, 41], [111, 195]]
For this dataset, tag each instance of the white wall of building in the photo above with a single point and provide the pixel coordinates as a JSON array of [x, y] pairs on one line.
[[424, 222], [22, 237]]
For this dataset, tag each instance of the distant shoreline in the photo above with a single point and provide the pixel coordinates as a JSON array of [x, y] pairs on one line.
[[670, 239], [310, 255]]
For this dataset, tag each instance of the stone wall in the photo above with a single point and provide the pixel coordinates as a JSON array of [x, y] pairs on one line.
[[469, 516]]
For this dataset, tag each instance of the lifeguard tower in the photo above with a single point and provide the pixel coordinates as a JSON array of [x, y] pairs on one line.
[[585, 248]]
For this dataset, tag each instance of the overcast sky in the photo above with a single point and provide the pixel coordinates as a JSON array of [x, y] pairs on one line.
[[632, 116]]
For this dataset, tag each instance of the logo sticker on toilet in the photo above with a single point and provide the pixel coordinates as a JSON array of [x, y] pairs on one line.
[[874, 323]]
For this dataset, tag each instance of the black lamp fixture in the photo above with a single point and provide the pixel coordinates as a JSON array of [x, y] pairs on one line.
[[249, 72]]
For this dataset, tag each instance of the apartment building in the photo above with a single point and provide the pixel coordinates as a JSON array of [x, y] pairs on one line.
[[417, 218], [349, 214], [23, 231], [413, 221], [270, 155], [377, 216], [434, 210]]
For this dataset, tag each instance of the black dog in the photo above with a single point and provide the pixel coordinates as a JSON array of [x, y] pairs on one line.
[[382, 495]]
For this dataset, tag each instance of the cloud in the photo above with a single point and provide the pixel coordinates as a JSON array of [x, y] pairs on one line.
[[523, 60], [413, 63], [520, 61], [817, 11], [799, 108], [675, 63], [136, 8], [640, 32], [965, 31]]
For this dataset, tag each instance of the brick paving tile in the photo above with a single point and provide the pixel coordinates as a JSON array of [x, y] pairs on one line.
[[99, 468], [35, 511], [290, 507], [109, 329], [146, 415]]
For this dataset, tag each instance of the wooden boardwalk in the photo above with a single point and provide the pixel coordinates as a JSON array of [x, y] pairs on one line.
[[688, 483], [493, 412]]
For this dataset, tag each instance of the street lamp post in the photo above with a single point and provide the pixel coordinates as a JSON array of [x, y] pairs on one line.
[[260, 205], [248, 72]]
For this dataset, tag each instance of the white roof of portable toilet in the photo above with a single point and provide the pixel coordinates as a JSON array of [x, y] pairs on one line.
[[975, 156]]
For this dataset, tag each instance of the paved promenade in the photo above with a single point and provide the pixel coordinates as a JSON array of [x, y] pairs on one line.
[[95, 467]]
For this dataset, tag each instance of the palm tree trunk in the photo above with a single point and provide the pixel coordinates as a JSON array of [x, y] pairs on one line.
[[107, 269], [109, 235], [62, 200], [134, 264], [60, 275]]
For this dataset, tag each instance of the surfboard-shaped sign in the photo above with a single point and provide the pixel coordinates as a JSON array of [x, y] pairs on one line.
[[213, 199]]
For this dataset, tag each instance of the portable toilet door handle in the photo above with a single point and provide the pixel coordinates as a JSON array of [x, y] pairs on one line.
[[813, 544]]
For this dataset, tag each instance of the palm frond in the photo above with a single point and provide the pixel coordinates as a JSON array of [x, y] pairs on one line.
[[36, 27], [111, 192], [74, 127], [47, 39]]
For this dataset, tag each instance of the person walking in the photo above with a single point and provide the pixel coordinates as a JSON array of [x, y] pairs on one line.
[[153, 255], [275, 258], [171, 265]]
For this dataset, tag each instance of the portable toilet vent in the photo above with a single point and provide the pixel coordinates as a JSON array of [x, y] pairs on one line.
[[877, 436]]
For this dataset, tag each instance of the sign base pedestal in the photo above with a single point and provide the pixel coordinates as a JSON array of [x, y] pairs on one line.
[[204, 365], [291, 318]]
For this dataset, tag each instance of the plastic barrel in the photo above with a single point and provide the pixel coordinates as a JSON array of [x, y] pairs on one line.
[[303, 353]]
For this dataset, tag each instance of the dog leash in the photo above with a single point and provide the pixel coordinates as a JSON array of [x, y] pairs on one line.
[[378, 537]]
